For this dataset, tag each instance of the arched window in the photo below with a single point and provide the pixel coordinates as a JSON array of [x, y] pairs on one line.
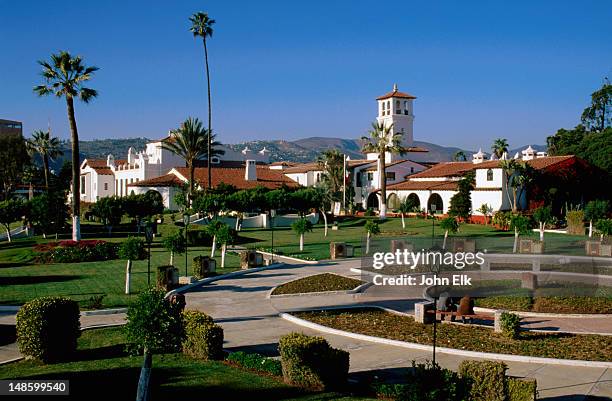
[[393, 201], [489, 175]]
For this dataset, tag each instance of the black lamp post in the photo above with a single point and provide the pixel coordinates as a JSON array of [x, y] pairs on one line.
[[186, 222], [272, 214], [149, 237], [432, 210], [435, 269]]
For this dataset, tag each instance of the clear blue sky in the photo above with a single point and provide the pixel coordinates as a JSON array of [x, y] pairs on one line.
[[289, 69]]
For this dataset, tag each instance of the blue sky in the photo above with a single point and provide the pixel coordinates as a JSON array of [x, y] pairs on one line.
[[288, 69]]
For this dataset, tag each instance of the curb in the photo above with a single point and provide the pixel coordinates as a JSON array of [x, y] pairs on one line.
[[450, 351]]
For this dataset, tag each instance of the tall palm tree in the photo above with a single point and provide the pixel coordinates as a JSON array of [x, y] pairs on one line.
[[47, 147], [331, 162], [500, 146], [190, 142], [382, 140], [201, 26], [64, 77]]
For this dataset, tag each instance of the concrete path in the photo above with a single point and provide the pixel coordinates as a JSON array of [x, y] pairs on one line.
[[251, 323]]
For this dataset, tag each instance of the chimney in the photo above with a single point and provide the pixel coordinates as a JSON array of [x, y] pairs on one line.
[[250, 171]]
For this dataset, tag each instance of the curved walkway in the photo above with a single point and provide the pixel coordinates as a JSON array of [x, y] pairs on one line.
[[250, 321]]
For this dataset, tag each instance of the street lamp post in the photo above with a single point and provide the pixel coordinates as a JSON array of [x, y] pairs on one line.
[[149, 237], [432, 209], [186, 222], [272, 214]]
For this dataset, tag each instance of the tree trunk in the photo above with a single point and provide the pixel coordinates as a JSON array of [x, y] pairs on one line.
[[516, 236], [209, 144], [324, 220], [76, 172], [382, 168], [223, 249], [214, 246], [403, 222], [142, 393], [237, 222], [45, 160], [445, 237], [367, 243], [590, 228], [542, 227], [301, 242], [514, 205], [128, 273], [8, 233], [191, 178]]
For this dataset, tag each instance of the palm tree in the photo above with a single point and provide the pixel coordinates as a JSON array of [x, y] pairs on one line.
[[383, 140], [500, 146], [191, 142], [64, 77], [201, 26], [372, 228], [331, 162], [448, 224], [47, 147], [408, 205]]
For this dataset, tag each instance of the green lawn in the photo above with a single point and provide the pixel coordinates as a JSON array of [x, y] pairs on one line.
[[102, 367]]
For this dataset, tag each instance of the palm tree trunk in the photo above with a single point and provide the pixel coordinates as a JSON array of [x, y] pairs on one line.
[[324, 220], [403, 222], [45, 160], [209, 144], [514, 205], [516, 236], [367, 243], [191, 178], [301, 242], [382, 168], [76, 172], [445, 237]]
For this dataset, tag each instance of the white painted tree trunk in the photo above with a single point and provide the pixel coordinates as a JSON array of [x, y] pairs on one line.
[[542, 226], [367, 243], [237, 226], [223, 249], [301, 242], [171, 258], [324, 221], [403, 221], [8, 234], [516, 236], [142, 391], [383, 211], [445, 237], [590, 228], [214, 247], [76, 228], [128, 274]]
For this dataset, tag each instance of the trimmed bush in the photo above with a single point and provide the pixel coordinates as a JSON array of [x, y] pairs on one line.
[[203, 338], [76, 252], [310, 362], [522, 389], [486, 380], [256, 362], [48, 328], [132, 249], [575, 222], [510, 325]]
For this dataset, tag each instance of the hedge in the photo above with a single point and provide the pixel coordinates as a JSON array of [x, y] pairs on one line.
[[510, 325], [48, 328], [256, 362], [521, 389], [486, 380], [203, 338], [76, 252], [310, 362]]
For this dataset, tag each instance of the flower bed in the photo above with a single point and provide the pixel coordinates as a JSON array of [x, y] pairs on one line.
[[74, 252]]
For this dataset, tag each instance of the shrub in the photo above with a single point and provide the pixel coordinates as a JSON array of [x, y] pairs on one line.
[[154, 323], [486, 380], [95, 301], [132, 249], [575, 222], [521, 389], [510, 325], [164, 278], [256, 362], [48, 328], [76, 252], [198, 237], [203, 338], [311, 362]]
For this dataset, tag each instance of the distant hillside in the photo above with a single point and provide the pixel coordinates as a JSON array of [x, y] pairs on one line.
[[301, 150]]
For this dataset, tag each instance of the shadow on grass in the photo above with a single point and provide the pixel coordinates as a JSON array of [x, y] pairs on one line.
[[8, 335], [27, 280], [107, 352], [8, 265]]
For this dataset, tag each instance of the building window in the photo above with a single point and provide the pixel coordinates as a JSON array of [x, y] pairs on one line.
[[411, 170], [489, 175], [106, 186], [390, 175], [370, 176], [82, 185]]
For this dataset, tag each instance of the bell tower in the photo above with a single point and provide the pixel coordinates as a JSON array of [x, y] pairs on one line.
[[396, 108]]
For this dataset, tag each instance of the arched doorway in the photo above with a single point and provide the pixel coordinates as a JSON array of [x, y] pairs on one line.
[[372, 201], [435, 199], [393, 202], [414, 198]]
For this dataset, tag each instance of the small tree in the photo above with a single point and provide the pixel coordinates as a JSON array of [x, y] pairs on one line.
[[154, 324], [408, 205], [595, 210], [131, 249], [448, 224], [461, 203], [213, 229], [520, 225], [11, 210], [223, 236], [542, 216], [47, 212], [372, 228], [486, 211], [175, 243], [109, 210], [604, 226], [301, 227]]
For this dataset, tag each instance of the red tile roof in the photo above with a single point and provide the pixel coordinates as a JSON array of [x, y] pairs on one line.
[[424, 185], [99, 166], [398, 94], [374, 167], [168, 180]]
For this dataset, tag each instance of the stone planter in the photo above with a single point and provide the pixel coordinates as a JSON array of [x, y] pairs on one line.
[[167, 277], [400, 244], [529, 281], [251, 259], [204, 266], [339, 250], [530, 246], [463, 245], [597, 248]]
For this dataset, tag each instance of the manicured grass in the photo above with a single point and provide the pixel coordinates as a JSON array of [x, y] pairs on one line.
[[387, 325], [102, 370], [318, 283]]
